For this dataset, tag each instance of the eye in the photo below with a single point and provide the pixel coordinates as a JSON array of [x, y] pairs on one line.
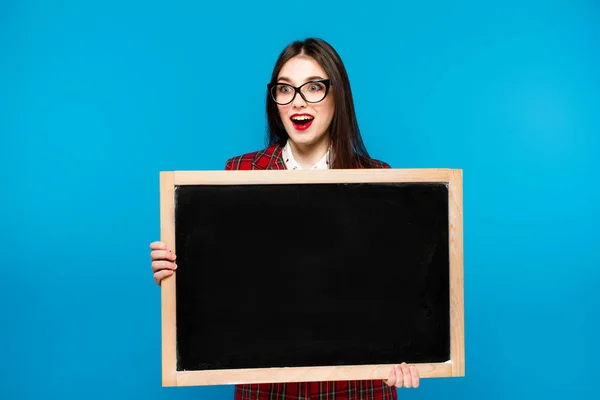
[[315, 87], [284, 89]]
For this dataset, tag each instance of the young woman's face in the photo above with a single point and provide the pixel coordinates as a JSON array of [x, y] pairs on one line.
[[306, 123]]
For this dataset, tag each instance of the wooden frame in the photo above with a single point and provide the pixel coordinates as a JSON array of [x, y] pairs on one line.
[[454, 367]]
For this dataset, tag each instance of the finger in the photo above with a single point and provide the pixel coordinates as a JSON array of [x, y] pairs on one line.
[[406, 375], [158, 246], [399, 377], [161, 265], [392, 379], [160, 275], [414, 375], [157, 255]]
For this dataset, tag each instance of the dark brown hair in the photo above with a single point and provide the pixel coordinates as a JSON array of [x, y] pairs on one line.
[[347, 145]]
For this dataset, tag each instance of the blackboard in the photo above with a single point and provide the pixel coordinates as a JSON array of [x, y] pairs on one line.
[[304, 275]]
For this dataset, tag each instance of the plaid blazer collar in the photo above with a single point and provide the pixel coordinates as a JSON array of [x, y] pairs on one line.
[[269, 158]]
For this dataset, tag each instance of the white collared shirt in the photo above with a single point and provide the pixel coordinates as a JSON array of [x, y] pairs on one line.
[[291, 163]]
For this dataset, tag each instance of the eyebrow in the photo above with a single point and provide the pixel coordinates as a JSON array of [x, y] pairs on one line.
[[310, 78]]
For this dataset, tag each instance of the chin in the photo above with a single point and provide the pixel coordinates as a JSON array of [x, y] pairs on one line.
[[304, 138]]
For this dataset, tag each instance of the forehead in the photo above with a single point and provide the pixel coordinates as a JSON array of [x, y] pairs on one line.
[[300, 69]]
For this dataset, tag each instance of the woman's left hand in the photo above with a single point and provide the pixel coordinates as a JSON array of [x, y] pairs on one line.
[[403, 376]]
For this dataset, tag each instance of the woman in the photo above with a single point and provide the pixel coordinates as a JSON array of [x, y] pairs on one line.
[[311, 125]]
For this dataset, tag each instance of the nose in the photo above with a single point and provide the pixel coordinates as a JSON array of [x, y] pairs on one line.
[[299, 101]]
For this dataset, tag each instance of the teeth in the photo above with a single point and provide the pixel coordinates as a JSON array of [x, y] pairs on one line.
[[302, 118]]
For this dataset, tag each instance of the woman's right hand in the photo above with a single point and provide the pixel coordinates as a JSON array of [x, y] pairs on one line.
[[163, 261]]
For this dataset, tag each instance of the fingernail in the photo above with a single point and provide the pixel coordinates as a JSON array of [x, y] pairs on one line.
[[412, 367]]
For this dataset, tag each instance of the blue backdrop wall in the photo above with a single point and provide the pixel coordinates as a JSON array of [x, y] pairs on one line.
[[97, 97]]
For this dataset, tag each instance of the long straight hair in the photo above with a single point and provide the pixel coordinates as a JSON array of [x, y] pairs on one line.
[[348, 148]]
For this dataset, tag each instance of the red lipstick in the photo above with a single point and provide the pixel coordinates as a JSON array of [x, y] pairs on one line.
[[302, 122]]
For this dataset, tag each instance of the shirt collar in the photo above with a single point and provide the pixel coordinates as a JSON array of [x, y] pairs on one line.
[[292, 164]]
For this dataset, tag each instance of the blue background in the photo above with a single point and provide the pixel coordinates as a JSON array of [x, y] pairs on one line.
[[97, 97]]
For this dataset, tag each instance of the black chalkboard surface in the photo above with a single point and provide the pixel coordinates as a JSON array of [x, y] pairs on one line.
[[280, 275]]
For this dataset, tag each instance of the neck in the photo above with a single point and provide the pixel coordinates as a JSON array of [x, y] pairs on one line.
[[308, 155]]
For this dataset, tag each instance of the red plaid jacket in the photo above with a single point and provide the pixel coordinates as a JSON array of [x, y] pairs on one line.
[[270, 158]]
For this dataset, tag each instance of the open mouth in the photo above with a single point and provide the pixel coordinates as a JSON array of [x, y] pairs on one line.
[[302, 121]]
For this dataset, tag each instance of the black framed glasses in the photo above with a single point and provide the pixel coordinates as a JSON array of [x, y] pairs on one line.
[[311, 91]]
